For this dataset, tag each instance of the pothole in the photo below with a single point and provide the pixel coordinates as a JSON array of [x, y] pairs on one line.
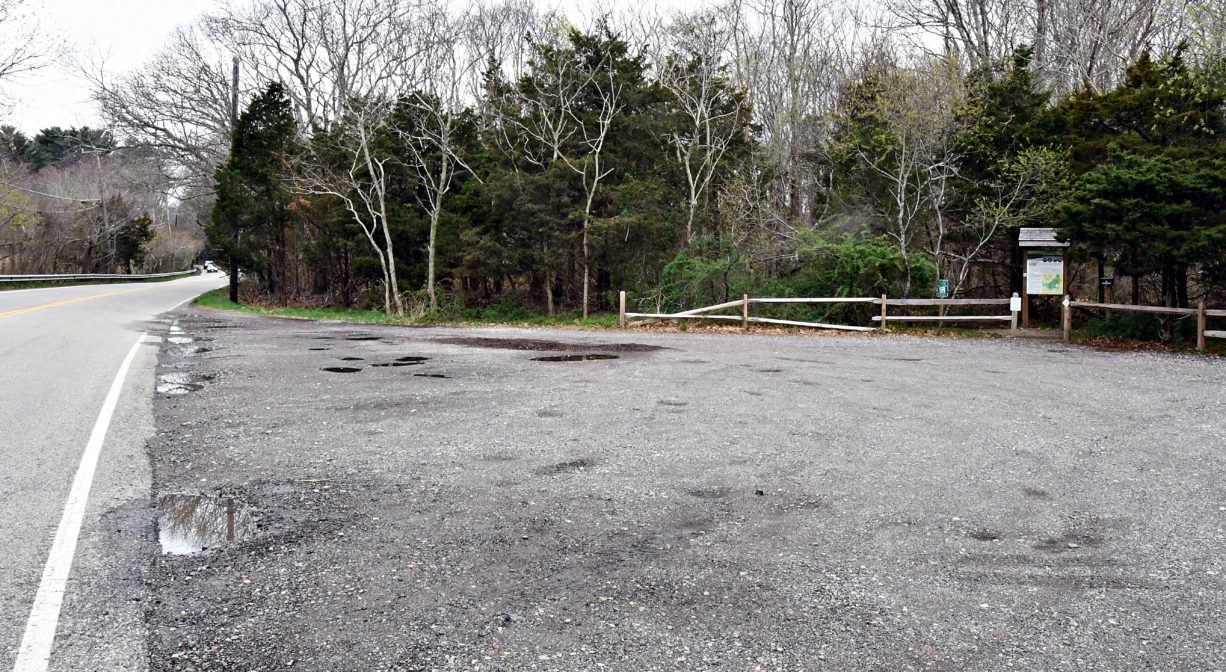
[[387, 364], [413, 358], [542, 345], [710, 493], [177, 383], [589, 357], [352, 359], [342, 369], [430, 375], [566, 467], [195, 523]]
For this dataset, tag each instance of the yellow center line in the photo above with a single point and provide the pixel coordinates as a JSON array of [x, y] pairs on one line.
[[65, 302]]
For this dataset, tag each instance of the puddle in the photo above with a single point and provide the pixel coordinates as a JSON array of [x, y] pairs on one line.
[[342, 369], [543, 345], [574, 358], [352, 359], [176, 383], [195, 523], [429, 375]]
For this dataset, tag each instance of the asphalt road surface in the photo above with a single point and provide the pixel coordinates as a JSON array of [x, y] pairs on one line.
[[60, 351], [431, 499]]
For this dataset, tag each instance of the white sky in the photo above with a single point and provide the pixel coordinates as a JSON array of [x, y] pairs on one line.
[[127, 33]]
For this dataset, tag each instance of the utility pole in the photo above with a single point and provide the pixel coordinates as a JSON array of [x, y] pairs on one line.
[[234, 234]]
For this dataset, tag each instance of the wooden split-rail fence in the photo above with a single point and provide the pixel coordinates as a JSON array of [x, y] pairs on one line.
[[1200, 312], [1013, 304], [882, 320]]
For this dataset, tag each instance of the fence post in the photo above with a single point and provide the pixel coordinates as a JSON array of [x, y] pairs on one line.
[[1068, 317], [885, 311], [745, 311], [621, 307], [1013, 313], [1202, 323]]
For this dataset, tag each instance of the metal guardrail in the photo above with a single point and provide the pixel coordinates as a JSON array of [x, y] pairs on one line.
[[92, 276]]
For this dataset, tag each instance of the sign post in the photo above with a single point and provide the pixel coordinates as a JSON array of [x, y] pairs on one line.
[[1046, 267]]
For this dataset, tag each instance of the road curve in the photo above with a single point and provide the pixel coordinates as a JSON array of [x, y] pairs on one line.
[[60, 351]]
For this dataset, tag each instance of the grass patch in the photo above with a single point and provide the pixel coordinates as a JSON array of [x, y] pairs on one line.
[[219, 299]]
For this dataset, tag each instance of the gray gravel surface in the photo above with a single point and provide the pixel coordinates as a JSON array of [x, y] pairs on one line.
[[705, 502]]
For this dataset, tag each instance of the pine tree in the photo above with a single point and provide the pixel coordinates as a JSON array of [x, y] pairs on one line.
[[252, 207]]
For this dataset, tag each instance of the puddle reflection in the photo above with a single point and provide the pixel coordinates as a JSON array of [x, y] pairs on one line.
[[194, 523]]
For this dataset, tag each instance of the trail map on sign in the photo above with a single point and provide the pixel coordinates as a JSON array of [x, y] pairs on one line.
[[1045, 274]]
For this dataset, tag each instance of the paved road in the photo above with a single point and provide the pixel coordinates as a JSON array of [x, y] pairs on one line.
[[60, 350]]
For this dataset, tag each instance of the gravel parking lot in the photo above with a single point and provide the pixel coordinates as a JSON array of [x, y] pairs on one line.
[[691, 502]]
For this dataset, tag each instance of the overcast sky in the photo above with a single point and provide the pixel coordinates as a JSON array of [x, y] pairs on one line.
[[127, 33]]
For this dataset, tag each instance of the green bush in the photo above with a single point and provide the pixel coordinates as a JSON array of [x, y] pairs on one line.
[[1138, 327]]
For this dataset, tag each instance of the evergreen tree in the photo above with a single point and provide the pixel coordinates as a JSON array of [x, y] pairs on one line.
[[252, 208]]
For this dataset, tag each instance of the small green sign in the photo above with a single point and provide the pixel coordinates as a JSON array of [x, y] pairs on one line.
[[942, 289]]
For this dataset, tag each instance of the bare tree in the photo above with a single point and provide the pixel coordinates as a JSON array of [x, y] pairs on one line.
[[429, 123], [694, 75], [177, 104], [347, 164], [24, 46], [325, 52], [912, 152]]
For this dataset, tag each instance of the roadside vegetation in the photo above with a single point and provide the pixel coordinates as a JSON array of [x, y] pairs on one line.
[[500, 160]]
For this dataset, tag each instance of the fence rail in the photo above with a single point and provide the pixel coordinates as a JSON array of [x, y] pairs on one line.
[[91, 276], [1201, 313], [705, 313]]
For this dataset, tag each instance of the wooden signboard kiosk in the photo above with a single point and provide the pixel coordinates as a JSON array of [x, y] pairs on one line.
[[1046, 266]]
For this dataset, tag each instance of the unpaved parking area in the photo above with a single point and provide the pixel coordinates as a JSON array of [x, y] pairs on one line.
[[500, 500]]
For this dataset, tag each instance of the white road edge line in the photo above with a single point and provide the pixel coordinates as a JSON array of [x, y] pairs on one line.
[[35, 652]]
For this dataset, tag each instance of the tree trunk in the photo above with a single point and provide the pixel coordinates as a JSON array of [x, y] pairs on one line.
[[430, 259], [1170, 298], [233, 279]]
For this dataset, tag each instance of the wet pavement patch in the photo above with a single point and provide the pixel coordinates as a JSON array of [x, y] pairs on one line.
[[575, 358], [177, 383], [342, 369], [543, 345], [195, 523]]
